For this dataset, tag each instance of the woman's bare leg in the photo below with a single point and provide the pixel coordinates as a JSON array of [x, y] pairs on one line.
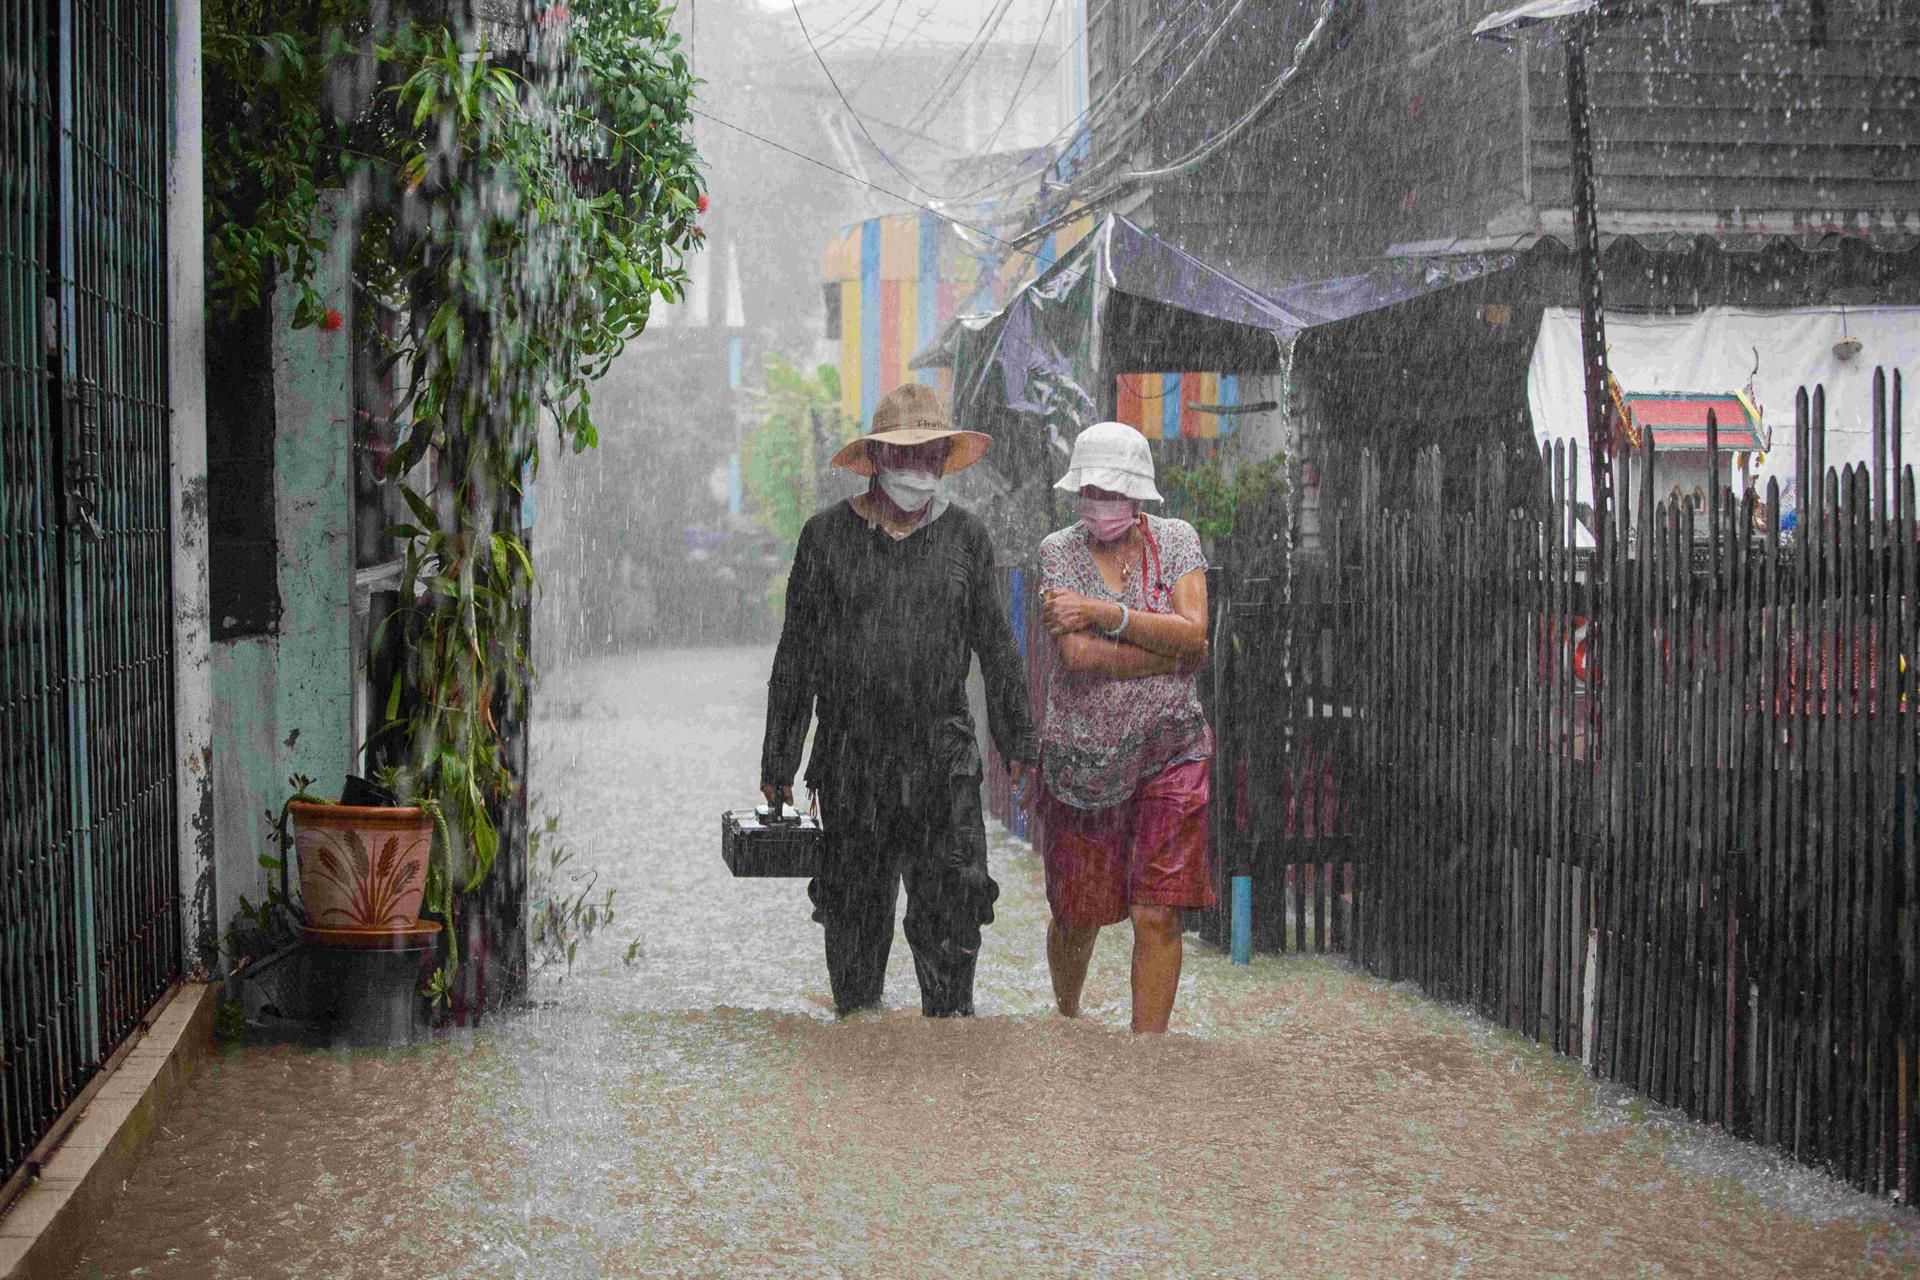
[[1068, 952], [1156, 965]]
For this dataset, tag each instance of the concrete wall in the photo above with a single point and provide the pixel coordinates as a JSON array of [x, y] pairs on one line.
[[282, 703], [186, 375]]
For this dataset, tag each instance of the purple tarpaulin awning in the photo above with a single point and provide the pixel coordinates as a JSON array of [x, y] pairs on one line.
[[1124, 300]]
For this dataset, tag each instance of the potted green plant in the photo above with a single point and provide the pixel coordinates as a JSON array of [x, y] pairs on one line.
[[338, 941]]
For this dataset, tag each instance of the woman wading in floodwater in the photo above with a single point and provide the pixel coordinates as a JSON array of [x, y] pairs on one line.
[[1124, 753]]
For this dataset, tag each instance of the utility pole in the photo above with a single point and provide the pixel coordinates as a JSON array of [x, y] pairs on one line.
[[1593, 324], [1576, 26]]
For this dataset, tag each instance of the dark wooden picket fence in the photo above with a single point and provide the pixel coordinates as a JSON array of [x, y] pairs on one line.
[[1652, 804]]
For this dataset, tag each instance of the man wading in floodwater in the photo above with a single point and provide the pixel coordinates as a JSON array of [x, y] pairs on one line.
[[891, 595]]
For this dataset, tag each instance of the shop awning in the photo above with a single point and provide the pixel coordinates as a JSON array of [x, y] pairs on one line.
[[1125, 301], [1162, 284]]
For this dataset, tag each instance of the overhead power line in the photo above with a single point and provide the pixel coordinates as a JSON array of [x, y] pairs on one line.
[[1025, 71], [854, 177], [1262, 113], [920, 119], [1111, 100], [879, 57], [893, 16], [912, 181], [1308, 47], [956, 75], [847, 26], [1097, 112]]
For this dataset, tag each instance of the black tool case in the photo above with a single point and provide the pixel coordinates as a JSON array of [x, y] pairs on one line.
[[767, 842]]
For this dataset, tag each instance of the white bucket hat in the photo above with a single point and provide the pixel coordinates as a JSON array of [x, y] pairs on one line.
[[1111, 456]]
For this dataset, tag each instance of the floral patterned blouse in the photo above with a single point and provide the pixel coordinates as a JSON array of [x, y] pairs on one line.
[[1103, 735]]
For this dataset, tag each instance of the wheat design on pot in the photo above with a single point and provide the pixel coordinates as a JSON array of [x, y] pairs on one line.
[[363, 870], [374, 888]]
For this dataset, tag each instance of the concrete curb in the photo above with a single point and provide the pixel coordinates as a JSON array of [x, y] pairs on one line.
[[49, 1225]]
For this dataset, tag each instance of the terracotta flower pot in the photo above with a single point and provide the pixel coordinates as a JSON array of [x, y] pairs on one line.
[[362, 874]]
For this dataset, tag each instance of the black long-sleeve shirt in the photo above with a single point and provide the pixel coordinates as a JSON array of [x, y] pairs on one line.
[[879, 633]]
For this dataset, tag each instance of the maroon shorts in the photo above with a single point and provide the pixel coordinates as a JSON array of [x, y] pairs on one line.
[[1148, 850]]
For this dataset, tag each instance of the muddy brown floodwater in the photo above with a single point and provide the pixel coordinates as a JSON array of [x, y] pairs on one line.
[[699, 1113]]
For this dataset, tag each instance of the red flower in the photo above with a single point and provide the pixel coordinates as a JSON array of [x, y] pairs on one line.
[[701, 203], [331, 321]]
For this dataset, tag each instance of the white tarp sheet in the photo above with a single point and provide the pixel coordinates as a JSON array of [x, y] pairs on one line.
[[1714, 350]]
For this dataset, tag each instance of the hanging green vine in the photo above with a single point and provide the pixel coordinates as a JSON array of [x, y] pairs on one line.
[[514, 219]]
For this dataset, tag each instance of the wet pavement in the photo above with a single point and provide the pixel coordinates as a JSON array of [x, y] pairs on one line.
[[700, 1113]]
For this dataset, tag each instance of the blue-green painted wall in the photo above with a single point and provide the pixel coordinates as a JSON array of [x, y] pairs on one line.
[[282, 702]]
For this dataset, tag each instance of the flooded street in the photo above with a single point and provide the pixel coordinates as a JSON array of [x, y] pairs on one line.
[[700, 1113]]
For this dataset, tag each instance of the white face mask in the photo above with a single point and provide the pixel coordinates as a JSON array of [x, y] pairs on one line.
[[908, 490]]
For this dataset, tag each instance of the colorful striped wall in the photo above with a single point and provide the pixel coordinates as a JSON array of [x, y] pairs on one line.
[[900, 279], [894, 298], [1160, 405]]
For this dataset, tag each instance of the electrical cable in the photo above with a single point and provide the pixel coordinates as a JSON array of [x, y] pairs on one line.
[[932, 7], [1308, 46], [1122, 186], [1094, 115], [1199, 57], [911, 127], [854, 177], [1192, 160], [886, 36], [1097, 111], [1017, 99], [1207, 149], [847, 26], [975, 47], [873, 142], [1118, 149], [1109, 100], [1072, 128]]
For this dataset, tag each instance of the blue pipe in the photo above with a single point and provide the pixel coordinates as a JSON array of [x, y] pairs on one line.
[[1242, 936]]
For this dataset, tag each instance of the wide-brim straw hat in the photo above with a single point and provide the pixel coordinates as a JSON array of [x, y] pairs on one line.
[[907, 415], [1111, 456]]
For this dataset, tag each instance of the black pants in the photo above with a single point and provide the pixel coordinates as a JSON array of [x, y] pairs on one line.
[[931, 834]]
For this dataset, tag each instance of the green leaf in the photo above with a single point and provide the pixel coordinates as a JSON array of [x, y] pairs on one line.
[[421, 510]]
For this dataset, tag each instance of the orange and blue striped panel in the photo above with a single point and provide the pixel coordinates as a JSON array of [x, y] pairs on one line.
[[1159, 405], [895, 293]]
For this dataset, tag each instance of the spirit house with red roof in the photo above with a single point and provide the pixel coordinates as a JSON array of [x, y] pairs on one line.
[[1680, 462]]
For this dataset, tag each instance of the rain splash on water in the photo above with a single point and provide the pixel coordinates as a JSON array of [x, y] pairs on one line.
[[681, 1101]]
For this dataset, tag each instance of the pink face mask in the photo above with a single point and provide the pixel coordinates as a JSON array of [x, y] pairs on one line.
[[1108, 519]]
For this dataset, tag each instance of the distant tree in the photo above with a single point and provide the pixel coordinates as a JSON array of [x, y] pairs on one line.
[[781, 460]]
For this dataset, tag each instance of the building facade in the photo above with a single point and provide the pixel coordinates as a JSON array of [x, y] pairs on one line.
[[1747, 156]]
